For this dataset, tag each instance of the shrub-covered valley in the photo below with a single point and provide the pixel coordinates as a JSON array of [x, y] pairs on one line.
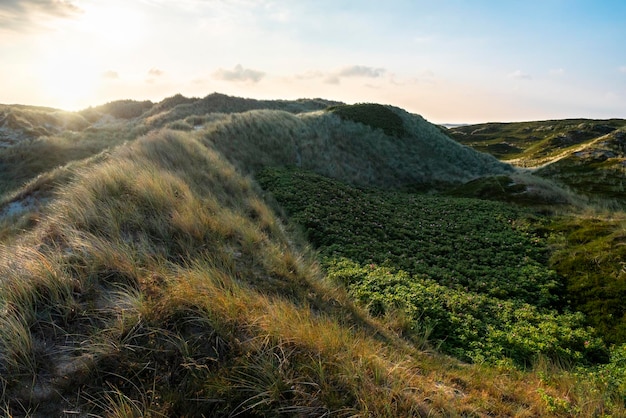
[[222, 256]]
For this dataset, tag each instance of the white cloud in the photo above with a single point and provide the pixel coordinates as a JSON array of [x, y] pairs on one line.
[[155, 72], [332, 79], [361, 71], [24, 15], [352, 71], [520, 75], [110, 75], [557, 71], [239, 74], [309, 75], [622, 69]]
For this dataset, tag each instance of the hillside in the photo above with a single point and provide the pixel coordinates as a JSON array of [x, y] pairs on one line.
[[586, 155], [533, 143], [233, 257]]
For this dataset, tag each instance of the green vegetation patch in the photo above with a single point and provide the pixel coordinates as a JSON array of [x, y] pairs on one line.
[[463, 273], [374, 115], [470, 325], [467, 244], [589, 254], [588, 156]]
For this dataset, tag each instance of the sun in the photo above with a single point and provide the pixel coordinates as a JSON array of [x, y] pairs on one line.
[[76, 59], [67, 82]]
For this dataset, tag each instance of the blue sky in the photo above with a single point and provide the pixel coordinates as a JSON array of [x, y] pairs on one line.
[[450, 61]]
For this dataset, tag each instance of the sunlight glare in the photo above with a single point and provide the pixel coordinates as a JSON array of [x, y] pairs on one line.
[[69, 85], [79, 59]]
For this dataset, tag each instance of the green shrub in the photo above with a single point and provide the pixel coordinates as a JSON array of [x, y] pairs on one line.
[[470, 325], [373, 115], [469, 271], [462, 243]]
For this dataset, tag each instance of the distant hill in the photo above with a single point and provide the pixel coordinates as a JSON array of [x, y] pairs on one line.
[[453, 125], [586, 155], [533, 143], [596, 168]]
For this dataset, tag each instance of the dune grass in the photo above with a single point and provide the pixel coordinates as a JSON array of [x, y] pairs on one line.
[[22, 122], [347, 150], [28, 159], [160, 284], [176, 108], [155, 280]]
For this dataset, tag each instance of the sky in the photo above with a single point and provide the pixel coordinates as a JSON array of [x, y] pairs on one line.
[[450, 61]]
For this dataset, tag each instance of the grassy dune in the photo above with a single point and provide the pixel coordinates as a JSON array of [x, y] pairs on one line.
[[152, 276], [346, 150], [533, 143], [585, 155], [160, 283]]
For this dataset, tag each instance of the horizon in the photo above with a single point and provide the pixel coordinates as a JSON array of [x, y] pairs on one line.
[[444, 124], [450, 62]]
